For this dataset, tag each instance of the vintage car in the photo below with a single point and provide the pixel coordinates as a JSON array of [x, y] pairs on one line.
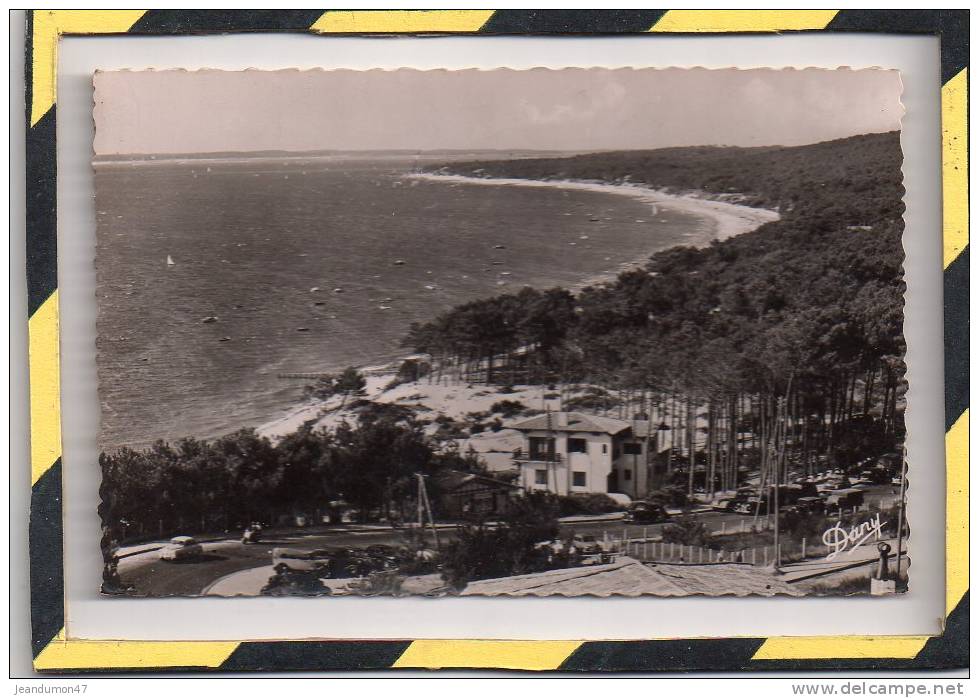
[[647, 513], [299, 560], [587, 544], [810, 505], [751, 506], [723, 503], [844, 499], [803, 489], [876, 476], [181, 548]]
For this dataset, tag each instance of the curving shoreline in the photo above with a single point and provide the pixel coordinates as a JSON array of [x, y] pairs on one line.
[[729, 219]]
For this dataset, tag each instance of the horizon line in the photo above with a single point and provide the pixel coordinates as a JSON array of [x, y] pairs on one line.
[[296, 152]]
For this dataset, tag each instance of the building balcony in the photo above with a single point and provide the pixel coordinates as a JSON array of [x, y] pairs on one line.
[[522, 456]]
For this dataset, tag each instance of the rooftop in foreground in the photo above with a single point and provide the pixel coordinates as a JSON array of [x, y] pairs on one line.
[[629, 577]]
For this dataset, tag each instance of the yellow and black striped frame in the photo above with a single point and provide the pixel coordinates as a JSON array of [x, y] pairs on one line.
[[55, 651]]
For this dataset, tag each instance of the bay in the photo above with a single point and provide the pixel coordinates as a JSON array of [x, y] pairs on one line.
[[250, 240]]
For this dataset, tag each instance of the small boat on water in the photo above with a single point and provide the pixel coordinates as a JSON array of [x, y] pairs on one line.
[[225, 339], [209, 319], [302, 329], [499, 247], [338, 290], [398, 262], [170, 261]]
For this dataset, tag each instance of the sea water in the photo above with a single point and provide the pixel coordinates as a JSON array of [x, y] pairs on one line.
[[311, 265]]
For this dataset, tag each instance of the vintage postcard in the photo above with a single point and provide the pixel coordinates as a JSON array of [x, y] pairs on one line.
[[499, 332]]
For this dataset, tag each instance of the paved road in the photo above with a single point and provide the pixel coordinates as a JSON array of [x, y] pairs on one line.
[[153, 577]]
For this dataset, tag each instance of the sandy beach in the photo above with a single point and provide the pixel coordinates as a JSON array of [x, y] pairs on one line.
[[455, 400], [727, 219]]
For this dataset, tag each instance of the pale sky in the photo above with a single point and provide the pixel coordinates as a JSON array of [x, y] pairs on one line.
[[571, 109]]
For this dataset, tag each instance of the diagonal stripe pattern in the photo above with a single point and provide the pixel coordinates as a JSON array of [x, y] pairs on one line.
[[722, 21]]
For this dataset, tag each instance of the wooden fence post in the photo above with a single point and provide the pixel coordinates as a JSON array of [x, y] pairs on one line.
[[754, 556], [803, 548], [765, 552]]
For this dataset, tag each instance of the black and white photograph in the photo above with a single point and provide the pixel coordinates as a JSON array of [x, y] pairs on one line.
[[547, 332]]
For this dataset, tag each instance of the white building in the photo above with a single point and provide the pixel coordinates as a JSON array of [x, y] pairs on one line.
[[572, 452]]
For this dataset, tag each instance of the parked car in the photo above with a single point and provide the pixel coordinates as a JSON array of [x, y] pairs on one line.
[[723, 503], [876, 476], [181, 548], [587, 545], [647, 513], [752, 505], [806, 489], [810, 505], [299, 560], [844, 499]]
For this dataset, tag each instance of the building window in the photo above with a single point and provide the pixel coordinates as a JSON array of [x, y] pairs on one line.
[[540, 477], [541, 448], [579, 479], [577, 446], [604, 449], [632, 449], [627, 475]]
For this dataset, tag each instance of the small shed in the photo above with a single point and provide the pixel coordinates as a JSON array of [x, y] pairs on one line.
[[471, 495]]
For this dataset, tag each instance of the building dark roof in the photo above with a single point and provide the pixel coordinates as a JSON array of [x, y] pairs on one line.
[[576, 422], [454, 479]]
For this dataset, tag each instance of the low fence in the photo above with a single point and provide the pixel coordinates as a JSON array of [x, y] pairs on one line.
[[656, 550], [648, 546]]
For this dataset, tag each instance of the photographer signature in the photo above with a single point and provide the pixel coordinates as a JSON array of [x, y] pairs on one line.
[[839, 539]]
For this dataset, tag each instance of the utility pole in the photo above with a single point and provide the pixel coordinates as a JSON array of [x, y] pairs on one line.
[[425, 505]]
